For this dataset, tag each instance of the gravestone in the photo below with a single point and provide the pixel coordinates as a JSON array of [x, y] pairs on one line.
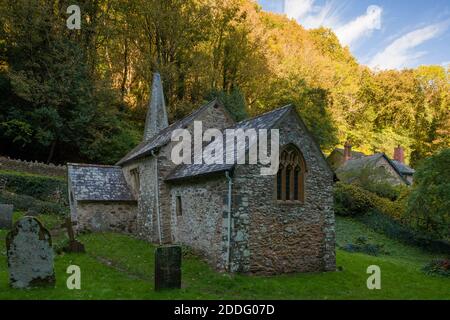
[[30, 255], [6, 216], [168, 267]]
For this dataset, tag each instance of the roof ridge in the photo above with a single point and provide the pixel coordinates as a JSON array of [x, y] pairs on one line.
[[92, 165], [265, 114], [196, 111], [135, 152]]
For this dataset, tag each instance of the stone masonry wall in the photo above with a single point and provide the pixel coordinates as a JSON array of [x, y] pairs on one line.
[[32, 167], [203, 222], [106, 216], [393, 177], [146, 220], [272, 237]]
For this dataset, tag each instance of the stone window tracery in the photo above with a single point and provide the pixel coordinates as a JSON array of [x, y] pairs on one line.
[[290, 179]]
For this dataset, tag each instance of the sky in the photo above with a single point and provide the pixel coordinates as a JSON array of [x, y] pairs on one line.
[[383, 34]]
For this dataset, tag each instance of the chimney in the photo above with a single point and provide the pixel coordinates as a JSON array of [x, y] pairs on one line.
[[399, 154], [347, 151], [156, 114]]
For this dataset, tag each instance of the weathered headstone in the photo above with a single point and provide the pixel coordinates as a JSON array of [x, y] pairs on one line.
[[6, 216], [168, 267], [30, 255]]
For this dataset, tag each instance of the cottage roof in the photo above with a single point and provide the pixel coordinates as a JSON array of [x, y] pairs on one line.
[[403, 168], [355, 154], [98, 183], [264, 121], [145, 148], [360, 163], [367, 161]]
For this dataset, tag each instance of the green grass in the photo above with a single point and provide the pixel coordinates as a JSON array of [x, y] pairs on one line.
[[348, 229], [121, 267]]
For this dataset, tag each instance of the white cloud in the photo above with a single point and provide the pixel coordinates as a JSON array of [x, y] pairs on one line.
[[361, 26], [400, 53], [296, 9], [309, 15], [312, 16], [327, 16]]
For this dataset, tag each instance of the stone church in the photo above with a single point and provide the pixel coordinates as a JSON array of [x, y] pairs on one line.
[[238, 219]]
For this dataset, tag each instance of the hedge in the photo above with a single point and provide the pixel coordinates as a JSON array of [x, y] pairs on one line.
[[353, 200], [27, 203], [39, 187]]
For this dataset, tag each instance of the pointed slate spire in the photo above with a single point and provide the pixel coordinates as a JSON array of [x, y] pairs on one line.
[[156, 114]]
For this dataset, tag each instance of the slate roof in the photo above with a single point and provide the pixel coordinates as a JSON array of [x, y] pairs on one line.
[[98, 183], [366, 161], [264, 121], [355, 154], [403, 168], [146, 147], [360, 163]]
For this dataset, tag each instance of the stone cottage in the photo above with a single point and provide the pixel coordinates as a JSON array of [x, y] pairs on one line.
[[350, 165], [238, 219], [100, 198]]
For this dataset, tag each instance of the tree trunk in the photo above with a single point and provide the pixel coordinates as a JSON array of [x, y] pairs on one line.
[[125, 71], [52, 151]]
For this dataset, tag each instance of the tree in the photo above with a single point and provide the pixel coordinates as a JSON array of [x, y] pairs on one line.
[[233, 102], [429, 200], [82, 95], [53, 103]]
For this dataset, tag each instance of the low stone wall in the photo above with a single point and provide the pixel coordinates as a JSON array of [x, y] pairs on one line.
[[106, 216], [32, 167]]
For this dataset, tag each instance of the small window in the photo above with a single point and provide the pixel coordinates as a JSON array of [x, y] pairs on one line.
[[179, 208], [136, 180]]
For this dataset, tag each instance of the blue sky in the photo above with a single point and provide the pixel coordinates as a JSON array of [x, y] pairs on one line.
[[383, 34]]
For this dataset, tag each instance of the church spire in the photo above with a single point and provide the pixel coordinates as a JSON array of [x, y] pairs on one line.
[[156, 114]]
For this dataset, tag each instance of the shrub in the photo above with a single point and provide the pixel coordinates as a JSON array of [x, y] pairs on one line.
[[362, 245], [440, 267], [393, 209], [353, 200], [25, 203], [385, 190], [394, 229], [40, 187], [429, 200]]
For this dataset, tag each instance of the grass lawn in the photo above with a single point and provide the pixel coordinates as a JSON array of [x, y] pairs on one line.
[[121, 267]]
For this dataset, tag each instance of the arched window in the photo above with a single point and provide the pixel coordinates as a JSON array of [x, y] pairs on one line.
[[290, 180]]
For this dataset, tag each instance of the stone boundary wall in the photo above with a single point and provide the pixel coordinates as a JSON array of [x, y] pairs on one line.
[[34, 167]]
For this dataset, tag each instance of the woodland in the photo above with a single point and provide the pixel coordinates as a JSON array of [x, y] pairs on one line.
[[82, 95]]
